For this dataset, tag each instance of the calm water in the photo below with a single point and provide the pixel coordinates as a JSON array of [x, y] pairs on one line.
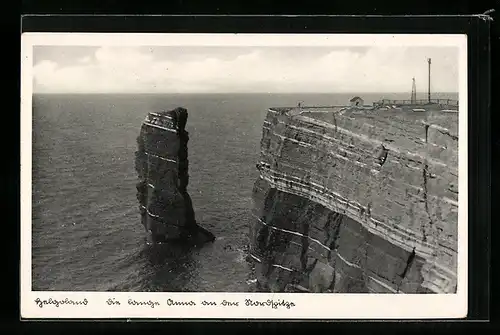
[[86, 227]]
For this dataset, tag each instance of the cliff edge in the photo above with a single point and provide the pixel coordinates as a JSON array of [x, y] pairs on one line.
[[161, 163], [357, 200]]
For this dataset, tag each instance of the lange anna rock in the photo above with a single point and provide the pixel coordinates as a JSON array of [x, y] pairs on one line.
[[162, 166]]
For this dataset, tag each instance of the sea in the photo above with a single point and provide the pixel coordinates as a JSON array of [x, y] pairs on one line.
[[86, 230]]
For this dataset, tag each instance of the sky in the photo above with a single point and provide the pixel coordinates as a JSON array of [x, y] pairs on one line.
[[190, 69]]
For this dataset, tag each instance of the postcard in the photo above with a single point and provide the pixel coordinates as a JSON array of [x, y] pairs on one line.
[[243, 176]]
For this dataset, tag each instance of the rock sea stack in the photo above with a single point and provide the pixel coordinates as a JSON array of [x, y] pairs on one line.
[[161, 164]]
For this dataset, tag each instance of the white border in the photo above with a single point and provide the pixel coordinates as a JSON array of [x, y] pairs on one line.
[[308, 305]]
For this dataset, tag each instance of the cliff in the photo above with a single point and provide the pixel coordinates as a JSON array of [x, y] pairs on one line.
[[357, 200], [161, 163]]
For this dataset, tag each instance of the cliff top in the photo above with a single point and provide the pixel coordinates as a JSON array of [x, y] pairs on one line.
[[430, 133], [406, 115]]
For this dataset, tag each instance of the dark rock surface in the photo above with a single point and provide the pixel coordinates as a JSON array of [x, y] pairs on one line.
[[162, 166]]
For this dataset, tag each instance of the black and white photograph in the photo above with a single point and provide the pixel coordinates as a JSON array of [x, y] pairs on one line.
[[245, 170]]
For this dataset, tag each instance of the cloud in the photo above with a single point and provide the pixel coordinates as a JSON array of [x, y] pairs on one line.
[[121, 70]]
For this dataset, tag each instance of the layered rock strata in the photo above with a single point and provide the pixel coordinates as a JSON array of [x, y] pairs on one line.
[[357, 200], [162, 166]]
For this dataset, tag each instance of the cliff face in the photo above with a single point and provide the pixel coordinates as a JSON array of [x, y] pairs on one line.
[[162, 167], [357, 201]]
